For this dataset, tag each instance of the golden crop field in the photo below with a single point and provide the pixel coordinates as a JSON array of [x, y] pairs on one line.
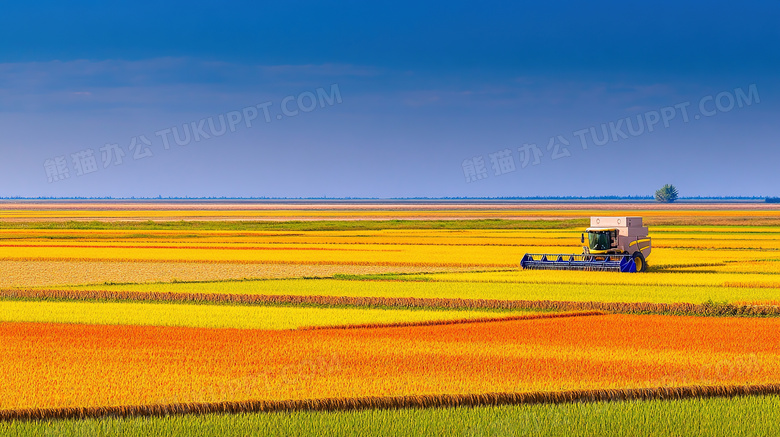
[[84, 366], [221, 316], [150, 308]]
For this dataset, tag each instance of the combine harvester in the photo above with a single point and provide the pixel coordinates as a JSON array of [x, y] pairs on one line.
[[615, 244]]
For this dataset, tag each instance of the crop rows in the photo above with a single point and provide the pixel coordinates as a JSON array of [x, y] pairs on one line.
[[616, 287], [419, 255], [231, 316], [358, 242], [746, 416], [312, 262], [712, 309], [67, 371], [57, 273], [395, 402], [71, 366]]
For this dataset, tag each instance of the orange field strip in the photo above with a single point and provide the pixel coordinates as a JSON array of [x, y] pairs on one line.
[[739, 309], [74, 366], [397, 402]]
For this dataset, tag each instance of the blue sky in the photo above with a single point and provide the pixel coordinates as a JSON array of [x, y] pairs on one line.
[[408, 98]]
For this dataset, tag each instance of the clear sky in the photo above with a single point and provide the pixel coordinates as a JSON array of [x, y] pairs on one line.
[[389, 98]]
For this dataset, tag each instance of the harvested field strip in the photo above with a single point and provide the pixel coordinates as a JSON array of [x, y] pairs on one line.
[[231, 316], [55, 274], [398, 402], [402, 302], [145, 246]]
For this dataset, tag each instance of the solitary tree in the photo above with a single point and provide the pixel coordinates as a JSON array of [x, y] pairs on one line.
[[667, 194]]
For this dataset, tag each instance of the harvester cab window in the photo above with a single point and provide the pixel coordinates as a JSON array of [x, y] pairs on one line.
[[600, 240]]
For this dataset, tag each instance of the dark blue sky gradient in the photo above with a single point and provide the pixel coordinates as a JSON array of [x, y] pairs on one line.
[[424, 87]]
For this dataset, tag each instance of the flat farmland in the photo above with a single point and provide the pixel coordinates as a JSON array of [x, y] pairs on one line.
[[127, 309]]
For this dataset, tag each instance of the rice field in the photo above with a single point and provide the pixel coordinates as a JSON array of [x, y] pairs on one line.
[[738, 417], [67, 365], [460, 286], [151, 307], [223, 316]]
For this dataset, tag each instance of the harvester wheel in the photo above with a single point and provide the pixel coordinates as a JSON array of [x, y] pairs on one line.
[[639, 260]]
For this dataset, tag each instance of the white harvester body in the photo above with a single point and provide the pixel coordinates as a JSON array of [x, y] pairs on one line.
[[626, 234], [620, 244]]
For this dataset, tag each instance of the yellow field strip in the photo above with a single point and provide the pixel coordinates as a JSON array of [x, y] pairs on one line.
[[224, 316], [403, 302]]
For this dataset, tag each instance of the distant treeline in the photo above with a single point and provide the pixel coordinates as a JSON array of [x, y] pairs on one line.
[[746, 198]]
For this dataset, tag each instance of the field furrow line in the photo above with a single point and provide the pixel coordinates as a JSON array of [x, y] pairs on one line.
[[406, 302], [396, 402]]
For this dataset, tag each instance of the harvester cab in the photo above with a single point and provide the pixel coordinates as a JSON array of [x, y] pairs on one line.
[[618, 244]]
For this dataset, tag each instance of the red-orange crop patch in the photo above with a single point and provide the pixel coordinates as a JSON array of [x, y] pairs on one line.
[[48, 365]]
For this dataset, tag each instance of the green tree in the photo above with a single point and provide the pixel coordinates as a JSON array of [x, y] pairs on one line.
[[667, 194]]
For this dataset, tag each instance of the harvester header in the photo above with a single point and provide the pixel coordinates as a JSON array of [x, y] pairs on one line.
[[619, 244]]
